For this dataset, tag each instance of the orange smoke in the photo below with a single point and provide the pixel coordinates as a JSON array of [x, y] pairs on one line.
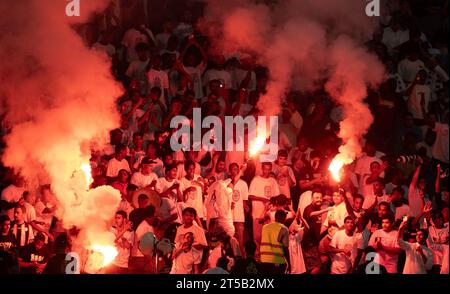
[[60, 99]]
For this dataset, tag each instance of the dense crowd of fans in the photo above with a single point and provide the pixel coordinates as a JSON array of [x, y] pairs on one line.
[[228, 213]]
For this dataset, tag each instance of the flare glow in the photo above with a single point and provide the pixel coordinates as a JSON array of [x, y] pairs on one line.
[[335, 169], [257, 144], [86, 168], [108, 253]]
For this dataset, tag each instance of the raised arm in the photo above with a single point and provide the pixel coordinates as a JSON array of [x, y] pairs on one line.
[[425, 213], [322, 211], [401, 231], [437, 185], [415, 177], [306, 184], [146, 115], [348, 205], [134, 108]]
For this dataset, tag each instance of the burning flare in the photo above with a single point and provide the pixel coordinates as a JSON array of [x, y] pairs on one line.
[[335, 169], [108, 254], [98, 257], [257, 144], [86, 168]]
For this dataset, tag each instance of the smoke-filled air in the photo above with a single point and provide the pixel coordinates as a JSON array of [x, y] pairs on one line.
[[303, 43], [59, 97]]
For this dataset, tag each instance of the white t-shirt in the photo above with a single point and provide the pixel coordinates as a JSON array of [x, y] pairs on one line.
[[414, 263], [338, 214], [141, 180], [394, 39], [240, 194], [167, 208], [45, 218], [401, 211], [20, 233], [199, 235], [184, 263], [262, 187], [369, 197], [12, 193], [408, 69], [388, 260], [195, 198], [296, 253], [196, 75], [123, 255], [418, 93], [210, 203], [436, 242], [164, 184], [114, 166], [141, 230], [440, 147], [157, 168], [160, 79], [216, 253], [283, 182], [131, 38], [224, 195], [30, 214], [305, 200], [341, 263]]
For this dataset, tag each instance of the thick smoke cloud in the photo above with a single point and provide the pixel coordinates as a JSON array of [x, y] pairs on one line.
[[303, 43], [59, 98]]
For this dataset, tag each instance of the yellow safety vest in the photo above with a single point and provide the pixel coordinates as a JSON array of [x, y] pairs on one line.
[[271, 249]]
